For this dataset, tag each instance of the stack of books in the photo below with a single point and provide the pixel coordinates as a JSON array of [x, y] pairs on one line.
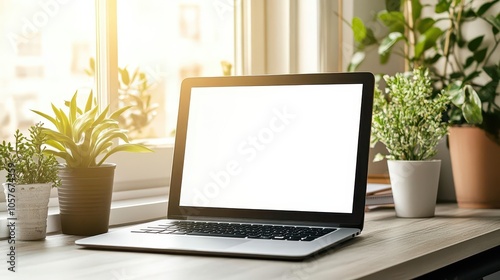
[[378, 195]]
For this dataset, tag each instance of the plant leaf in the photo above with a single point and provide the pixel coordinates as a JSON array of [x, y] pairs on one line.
[[356, 60], [487, 92], [125, 76], [63, 122], [92, 64], [480, 55], [442, 6], [469, 13], [105, 139], [388, 42], [118, 112], [49, 118], [359, 29], [485, 7], [475, 43], [393, 20], [469, 61], [134, 75], [456, 75], [369, 38], [101, 117], [472, 106], [424, 24], [378, 157], [126, 148], [393, 5], [90, 101], [457, 95], [472, 114], [471, 76], [55, 145], [416, 9], [427, 40], [493, 71], [433, 59], [495, 21]]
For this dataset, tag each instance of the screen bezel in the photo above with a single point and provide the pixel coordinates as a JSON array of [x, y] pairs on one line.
[[354, 219]]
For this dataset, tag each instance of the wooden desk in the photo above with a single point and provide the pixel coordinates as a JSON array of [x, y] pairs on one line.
[[388, 248]]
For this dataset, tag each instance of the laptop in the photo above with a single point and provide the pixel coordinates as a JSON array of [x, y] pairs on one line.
[[271, 166]]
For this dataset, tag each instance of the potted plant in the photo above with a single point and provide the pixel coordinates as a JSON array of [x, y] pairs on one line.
[[31, 173], [408, 120], [84, 138], [462, 58]]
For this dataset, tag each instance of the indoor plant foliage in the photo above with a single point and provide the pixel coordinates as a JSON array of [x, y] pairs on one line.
[[27, 161], [83, 133], [135, 90], [407, 118]]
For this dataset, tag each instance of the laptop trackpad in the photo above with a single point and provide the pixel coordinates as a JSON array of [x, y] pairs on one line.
[[205, 243]]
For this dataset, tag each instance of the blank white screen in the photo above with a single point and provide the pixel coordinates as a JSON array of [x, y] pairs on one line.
[[272, 147]]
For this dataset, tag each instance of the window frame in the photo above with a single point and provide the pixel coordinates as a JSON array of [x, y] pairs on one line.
[[274, 37]]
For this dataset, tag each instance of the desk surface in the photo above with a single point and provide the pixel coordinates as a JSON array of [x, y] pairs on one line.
[[388, 248]]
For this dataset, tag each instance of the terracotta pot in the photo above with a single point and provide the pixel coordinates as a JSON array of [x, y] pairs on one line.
[[29, 206], [475, 160], [414, 187], [85, 199]]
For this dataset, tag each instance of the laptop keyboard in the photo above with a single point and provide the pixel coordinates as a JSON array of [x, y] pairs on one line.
[[254, 231]]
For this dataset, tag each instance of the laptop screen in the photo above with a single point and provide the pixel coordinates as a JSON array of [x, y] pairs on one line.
[[281, 147]]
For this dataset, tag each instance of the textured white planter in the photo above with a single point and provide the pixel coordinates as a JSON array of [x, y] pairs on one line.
[[29, 208], [414, 187]]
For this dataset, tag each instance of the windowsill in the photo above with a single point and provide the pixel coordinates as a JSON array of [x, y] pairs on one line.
[[123, 212]]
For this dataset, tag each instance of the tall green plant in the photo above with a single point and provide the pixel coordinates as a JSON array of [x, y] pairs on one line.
[[407, 118], [83, 136], [26, 161], [470, 71]]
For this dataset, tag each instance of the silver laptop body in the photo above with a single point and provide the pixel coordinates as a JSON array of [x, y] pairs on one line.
[[274, 151]]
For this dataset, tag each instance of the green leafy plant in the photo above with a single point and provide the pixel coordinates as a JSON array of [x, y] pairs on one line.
[[134, 91], [470, 72], [83, 136], [407, 118], [26, 161], [416, 34], [466, 69]]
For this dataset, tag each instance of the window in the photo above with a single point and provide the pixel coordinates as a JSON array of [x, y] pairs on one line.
[[42, 53]]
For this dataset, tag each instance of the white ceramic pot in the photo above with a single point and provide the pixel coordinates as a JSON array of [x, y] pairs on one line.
[[414, 187], [28, 208]]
